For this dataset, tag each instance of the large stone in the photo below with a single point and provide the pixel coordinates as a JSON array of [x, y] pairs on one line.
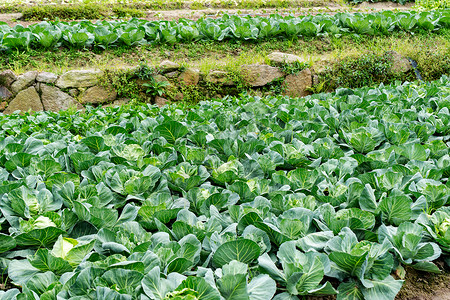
[[399, 64], [97, 94], [219, 77], [54, 99], [190, 76], [167, 66], [160, 101], [25, 100], [46, 77], [260, 75], [7, 77], [23, 81], [5, 94], [279, 58], [295, 85], [79, 78]]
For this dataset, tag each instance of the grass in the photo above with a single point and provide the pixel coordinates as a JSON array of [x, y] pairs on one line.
[[348, 61], [231, 55], [45, 8], [79, 12]]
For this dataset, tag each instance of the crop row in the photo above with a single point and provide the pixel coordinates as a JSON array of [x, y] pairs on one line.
[[106, 34], [243, 198]]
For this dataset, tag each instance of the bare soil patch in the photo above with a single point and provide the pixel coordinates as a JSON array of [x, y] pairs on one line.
[[426, 286]]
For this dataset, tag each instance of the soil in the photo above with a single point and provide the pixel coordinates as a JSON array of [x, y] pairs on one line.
[[5, 283], [417, 286], [425, 286], [328, 7]]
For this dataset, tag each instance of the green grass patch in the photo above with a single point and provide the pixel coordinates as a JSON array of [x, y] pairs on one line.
[[79, 12], [229, 55], [132, 7]]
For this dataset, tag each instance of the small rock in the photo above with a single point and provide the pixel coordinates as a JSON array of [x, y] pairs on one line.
[[79, 78], [190, 76], [46, 77], [178, 96], [23, 81], [3, 105], [160, 101], [5, 94], [323, 64], [295, 85], [260, 75], [160, 78], [219, 77], [315, 80], [279, 58], [97, 94], [73, 92], [121, 101], [399, 64], [172, 74], [7, 77], [118, 102], [25, 100], [168, 66], [54, 99]]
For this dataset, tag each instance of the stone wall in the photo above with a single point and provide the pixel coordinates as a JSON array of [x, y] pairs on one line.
[[39, 91]]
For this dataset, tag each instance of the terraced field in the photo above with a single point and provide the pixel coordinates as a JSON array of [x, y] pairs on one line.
[[250, 194]]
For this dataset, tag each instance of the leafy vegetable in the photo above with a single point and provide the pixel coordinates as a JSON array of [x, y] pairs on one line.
[[106, 34], [138, 202]]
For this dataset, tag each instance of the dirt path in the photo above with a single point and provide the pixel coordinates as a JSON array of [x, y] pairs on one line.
[[331, 7]]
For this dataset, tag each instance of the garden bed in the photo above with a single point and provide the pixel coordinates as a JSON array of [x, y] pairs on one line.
[[237, 197]]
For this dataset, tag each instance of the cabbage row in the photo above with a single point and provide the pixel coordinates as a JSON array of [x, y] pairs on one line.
[[104, 34], [244, 198]]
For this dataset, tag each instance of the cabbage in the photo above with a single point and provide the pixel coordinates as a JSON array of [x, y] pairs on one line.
[[43, 222], [63, 246], [444, 227]]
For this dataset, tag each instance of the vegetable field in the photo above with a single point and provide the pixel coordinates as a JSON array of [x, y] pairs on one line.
[[244, 198], [105, 34]]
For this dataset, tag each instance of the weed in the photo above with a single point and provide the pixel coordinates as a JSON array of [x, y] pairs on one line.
[[318, 88], [432, 64], [431, 4], [155, 88], [295, 67], [126, 12], [275, 87], [123, 83], [145, 72], [364, 70]]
